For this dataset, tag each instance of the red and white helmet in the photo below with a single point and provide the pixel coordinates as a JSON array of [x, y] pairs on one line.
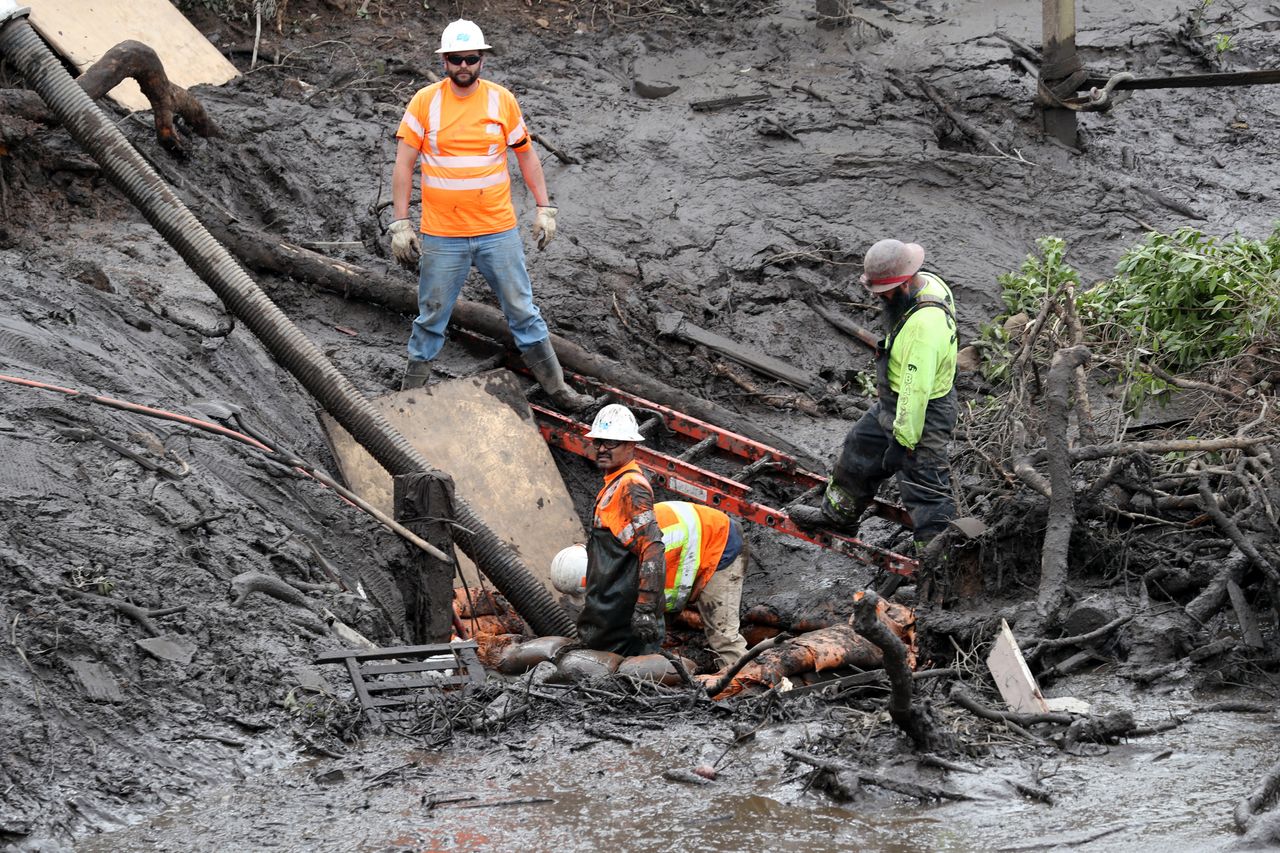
[[569, 570]]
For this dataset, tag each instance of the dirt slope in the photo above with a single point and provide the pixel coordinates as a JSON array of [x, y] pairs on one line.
[[669, 210]]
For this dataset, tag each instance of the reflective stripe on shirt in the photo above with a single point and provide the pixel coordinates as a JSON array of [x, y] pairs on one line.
[[685, 536]]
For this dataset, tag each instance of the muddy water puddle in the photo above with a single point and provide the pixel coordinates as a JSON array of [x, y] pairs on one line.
[[556, 789]]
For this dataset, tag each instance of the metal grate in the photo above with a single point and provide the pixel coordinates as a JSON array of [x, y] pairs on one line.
[[389, 681]]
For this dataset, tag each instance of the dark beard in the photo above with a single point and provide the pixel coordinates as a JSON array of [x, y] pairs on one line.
[[472, 71], [898, 304]]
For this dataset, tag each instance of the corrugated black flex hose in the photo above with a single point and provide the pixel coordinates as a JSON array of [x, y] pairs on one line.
[[21, 46]]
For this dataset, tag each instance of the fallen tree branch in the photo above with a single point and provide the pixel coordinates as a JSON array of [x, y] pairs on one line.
[[902, 786], [916, 719], [752, 653], [1233, 532], [1078, 639], [973, 706]]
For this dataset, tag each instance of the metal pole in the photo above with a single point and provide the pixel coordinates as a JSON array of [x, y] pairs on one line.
[[1060, 63]]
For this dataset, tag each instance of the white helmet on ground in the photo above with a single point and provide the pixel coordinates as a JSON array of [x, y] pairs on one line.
[[569, 570], [615, 423], [462, 35]]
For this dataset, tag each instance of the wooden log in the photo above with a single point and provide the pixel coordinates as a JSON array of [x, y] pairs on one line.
[[1062, 509], [424, 504], [864, 336], [264, 252], [675, 325]]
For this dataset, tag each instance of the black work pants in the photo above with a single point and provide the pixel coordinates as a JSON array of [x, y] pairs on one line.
[[924, 479]]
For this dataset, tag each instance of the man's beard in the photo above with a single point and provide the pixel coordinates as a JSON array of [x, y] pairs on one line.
[[470, 72], [898, 303]]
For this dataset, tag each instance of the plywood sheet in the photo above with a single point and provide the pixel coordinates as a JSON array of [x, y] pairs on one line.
[[480, 430], [83, 30], [1013, 678]]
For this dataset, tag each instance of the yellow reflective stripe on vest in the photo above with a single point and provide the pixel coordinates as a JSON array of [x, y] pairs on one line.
[[685, 535]]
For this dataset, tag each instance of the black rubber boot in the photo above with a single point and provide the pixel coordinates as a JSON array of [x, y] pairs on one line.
[[541, 360], [416, 374]]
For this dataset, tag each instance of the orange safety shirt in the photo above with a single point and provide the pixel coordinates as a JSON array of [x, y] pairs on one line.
[[694, 537], [462, 145]]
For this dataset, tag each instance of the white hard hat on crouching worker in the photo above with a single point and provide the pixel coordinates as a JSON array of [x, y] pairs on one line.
[[615, 423], [569, 570], [461, 35], [889, 263]]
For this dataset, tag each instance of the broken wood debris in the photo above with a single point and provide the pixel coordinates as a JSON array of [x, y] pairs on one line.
[[723, 103], [901, 786]]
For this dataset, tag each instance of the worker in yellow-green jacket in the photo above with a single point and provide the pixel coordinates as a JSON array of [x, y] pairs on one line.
[[908, 429]]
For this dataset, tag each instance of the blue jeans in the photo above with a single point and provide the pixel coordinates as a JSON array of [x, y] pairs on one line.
[[443, 269]]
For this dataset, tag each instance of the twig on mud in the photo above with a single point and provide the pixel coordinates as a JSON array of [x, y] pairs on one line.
[[518, 801], [22, 653], [137, 614], [605, 734], [567, 159], [1248, 809], [967, 127], [1030, 791]]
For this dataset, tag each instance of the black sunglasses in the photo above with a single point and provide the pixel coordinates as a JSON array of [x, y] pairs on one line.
[[469, 59], [608, 445]]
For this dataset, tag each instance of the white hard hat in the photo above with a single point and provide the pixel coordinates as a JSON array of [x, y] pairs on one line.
[[569, 570], [615, 423], [461, 35]]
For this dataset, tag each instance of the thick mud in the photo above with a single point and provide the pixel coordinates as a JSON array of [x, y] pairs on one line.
[[715, 215]]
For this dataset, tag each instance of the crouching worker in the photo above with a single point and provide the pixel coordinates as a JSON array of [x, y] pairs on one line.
[[622, 610], [706, 559]]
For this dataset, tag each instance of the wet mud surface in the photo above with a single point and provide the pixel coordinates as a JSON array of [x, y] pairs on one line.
[[107, 745]]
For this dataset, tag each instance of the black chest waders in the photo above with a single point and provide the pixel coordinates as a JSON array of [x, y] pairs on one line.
[[613, 585]]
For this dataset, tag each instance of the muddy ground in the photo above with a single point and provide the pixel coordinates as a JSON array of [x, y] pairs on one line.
[[712, 214]]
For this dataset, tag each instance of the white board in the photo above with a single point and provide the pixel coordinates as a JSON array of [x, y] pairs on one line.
[[83, 30]]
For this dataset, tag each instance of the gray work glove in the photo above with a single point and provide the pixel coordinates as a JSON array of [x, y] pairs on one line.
[[544, 227], [405, 245], [648, 627]]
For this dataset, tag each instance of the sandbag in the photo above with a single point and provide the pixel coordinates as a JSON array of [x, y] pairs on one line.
[[522, 657], [586, 664], [653, 668]]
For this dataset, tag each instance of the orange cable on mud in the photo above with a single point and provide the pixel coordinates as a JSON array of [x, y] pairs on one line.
[[341, 491]]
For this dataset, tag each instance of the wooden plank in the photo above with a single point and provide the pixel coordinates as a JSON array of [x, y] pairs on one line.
[[422, 504], [388, 652], [376, 669], [1249, 631], [675, 325], [480, 431], [83, 30], [1013, 678]]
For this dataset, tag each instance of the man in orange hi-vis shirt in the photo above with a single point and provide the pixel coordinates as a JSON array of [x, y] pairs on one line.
[[459, 131]]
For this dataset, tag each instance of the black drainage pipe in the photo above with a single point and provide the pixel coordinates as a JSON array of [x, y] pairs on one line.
[[20, 45]]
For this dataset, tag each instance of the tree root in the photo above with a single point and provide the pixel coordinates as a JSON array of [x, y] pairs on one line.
[[245, 584], [1248, 809], [129, 59]]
